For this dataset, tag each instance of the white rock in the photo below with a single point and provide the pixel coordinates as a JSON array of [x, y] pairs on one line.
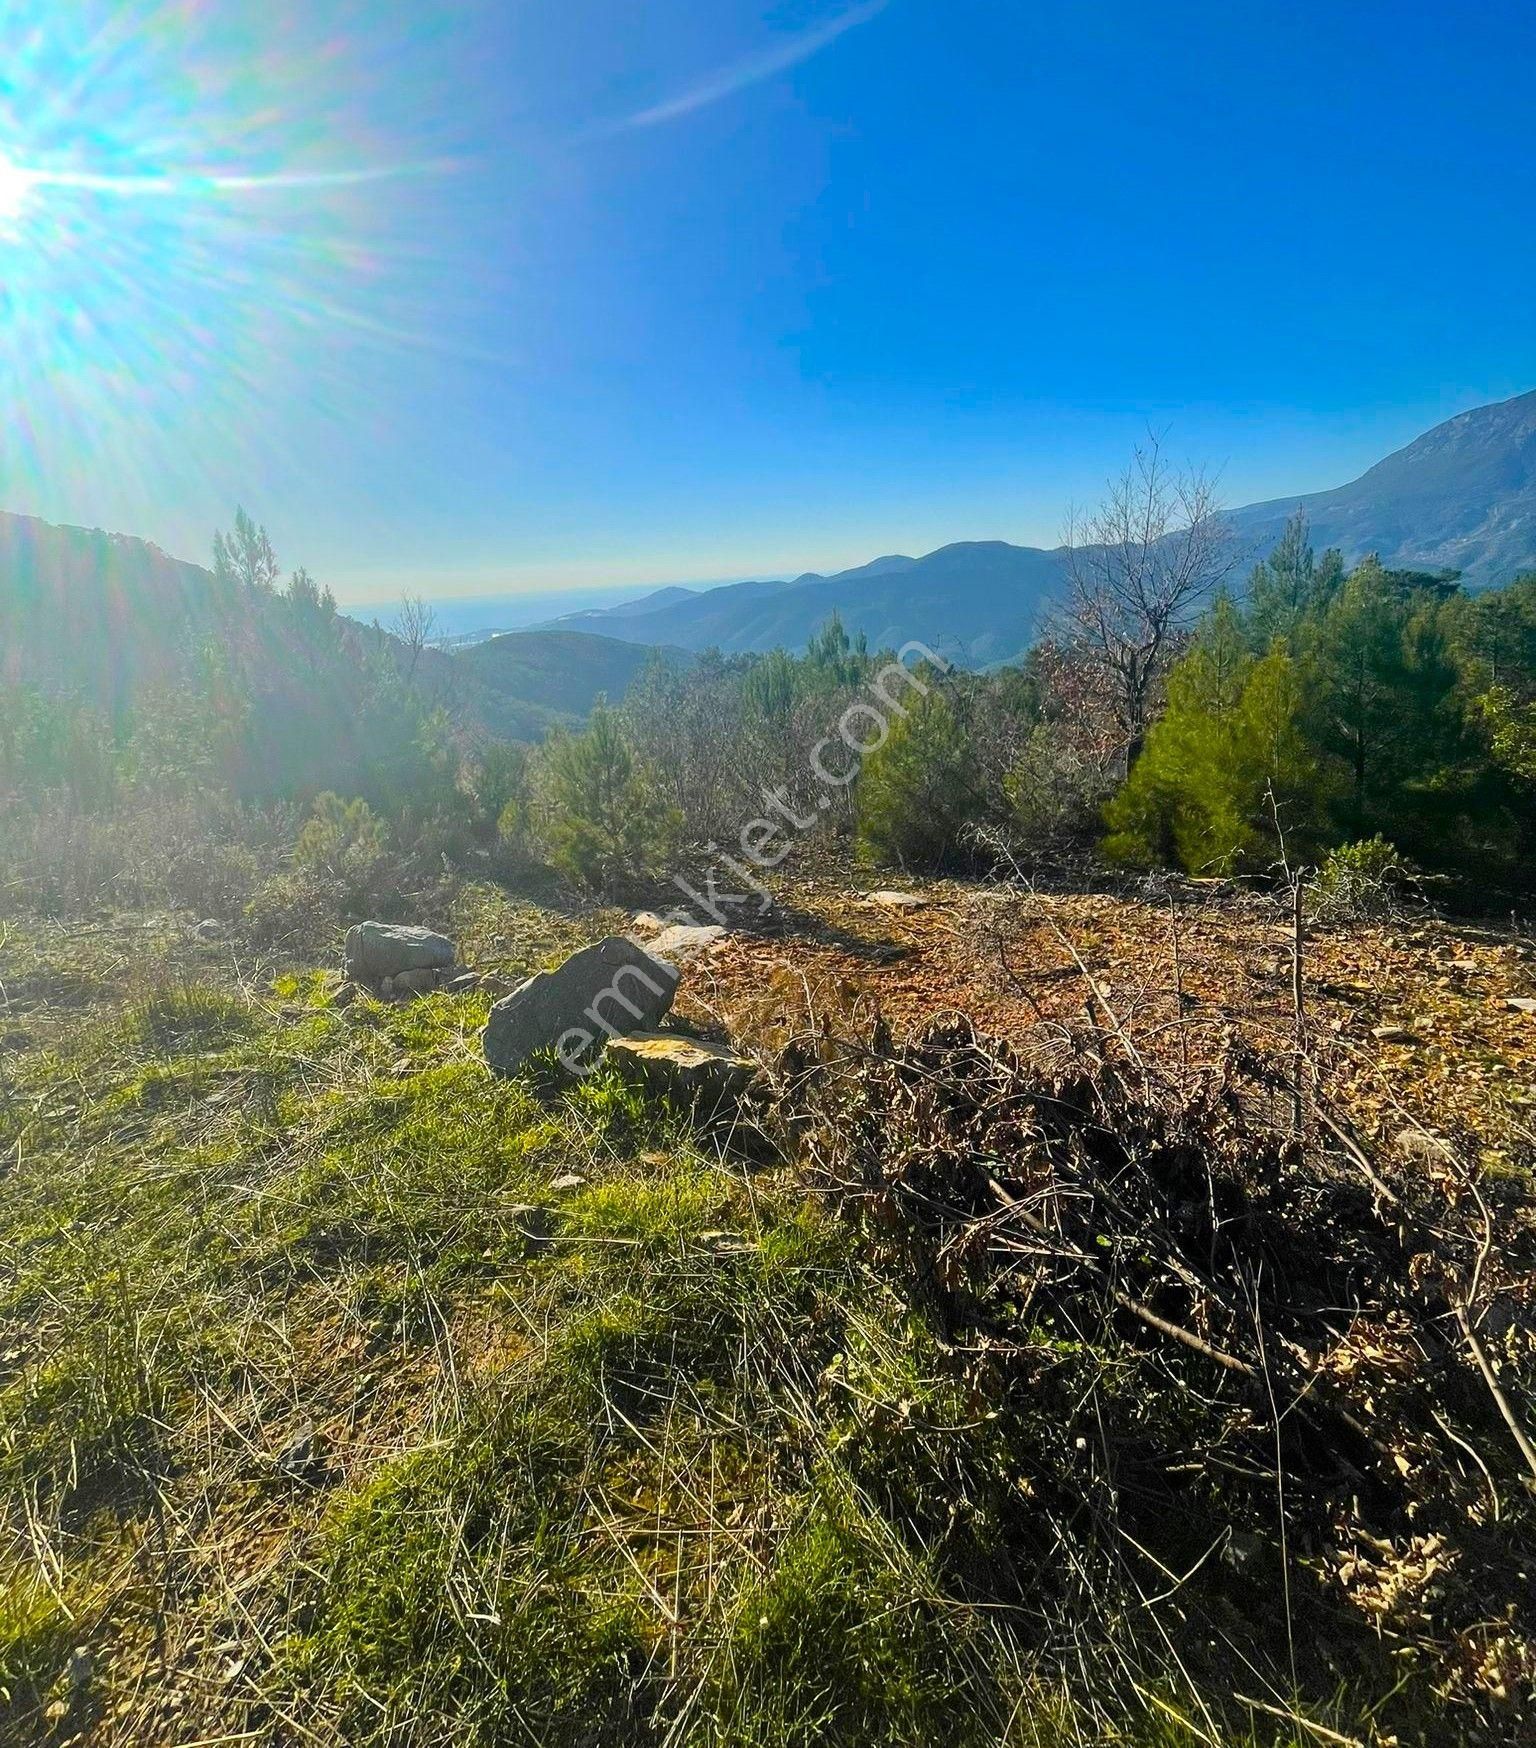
[[684, 941]]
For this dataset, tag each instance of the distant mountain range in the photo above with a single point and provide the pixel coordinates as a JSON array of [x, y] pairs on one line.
[[1462, 496], [105, 614]]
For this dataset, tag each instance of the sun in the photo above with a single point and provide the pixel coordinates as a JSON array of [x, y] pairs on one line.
[[15, 186]]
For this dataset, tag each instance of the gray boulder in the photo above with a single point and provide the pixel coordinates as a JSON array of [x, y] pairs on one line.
[[605, 991], [379, 950]]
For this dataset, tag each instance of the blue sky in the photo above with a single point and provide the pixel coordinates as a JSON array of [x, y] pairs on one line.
[[579, 292]]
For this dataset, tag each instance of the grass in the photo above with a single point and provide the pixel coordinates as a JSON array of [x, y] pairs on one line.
[[347, 1394]]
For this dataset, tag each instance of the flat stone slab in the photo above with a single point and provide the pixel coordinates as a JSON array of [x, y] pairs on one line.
[[709, 1078], [379, 950], [605, 991], [684, 941], [897, 900]]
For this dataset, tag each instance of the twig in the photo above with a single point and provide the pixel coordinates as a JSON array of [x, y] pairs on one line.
[[1496, 1390]]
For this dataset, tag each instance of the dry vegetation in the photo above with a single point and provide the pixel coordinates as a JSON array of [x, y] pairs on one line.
[[1055, 1384]]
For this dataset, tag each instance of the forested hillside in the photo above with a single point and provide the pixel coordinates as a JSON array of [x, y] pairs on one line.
[[293, 695], [563, 672]]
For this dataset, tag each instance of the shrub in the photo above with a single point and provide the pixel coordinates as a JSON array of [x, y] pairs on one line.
[[500, 789], [1053, 791], [915, 796], [1227, 750], [157, 851], [598, 812], [213, 878], [343, 842], [1359, 881], [299, 911]]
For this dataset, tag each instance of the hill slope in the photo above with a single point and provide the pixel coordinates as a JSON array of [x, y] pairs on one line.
[[105, 616], [977, 602], [354, 1395], [556, 670], [101, 613], [1463, 495]]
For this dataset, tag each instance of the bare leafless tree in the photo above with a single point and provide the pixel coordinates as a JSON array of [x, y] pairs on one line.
[[413, 626], [1137, 567]]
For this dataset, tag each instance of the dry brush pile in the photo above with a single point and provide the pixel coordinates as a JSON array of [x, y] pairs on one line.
[[1259, 1396]]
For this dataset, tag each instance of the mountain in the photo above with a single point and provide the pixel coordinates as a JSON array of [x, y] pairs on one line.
[[649, 603], [561, 671], [976, 603], [1462, 495], [106, 616], [103, 614]]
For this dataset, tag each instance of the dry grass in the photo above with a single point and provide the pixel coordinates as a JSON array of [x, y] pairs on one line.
[[347, 1394]]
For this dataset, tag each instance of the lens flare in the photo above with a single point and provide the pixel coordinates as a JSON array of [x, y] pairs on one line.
[[209, 218], [15, 186]]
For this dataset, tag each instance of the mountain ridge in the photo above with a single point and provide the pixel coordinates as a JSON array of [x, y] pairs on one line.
[[1461, 496], [106, 617]]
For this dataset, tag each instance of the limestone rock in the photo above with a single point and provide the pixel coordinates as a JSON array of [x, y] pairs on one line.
[[604, 991], [897, 900], [685, 941], [710, 1079], [1522, 1004], [376, 951]]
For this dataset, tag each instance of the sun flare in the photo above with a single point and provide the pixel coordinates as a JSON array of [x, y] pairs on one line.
[[15, 186]]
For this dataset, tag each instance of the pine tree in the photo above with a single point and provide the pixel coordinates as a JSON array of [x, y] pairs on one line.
[[916, 795], [1382, 703], [245, 557], [1290, 587], [597, 811], [1228, 749]]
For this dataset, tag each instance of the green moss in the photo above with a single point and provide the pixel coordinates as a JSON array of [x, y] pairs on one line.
[[34, 1631]]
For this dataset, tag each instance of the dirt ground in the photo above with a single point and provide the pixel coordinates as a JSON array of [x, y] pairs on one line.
[[1414, 1021]]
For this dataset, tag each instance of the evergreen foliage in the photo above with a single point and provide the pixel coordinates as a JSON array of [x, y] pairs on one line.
[[1227, 752], [916, 794], [1381, 703], [597, 811]]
